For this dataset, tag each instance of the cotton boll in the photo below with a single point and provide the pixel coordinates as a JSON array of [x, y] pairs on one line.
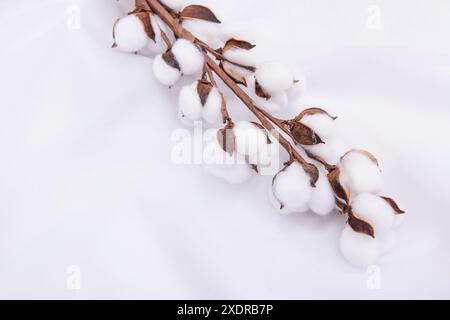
[[292, 187], [322, 199], [164, 73], [277, 206], [274, 77], [241, 56], [212, 108], [398, 221], [189, 57], [175, 5], [387, 242], [185, 120], [249, 138], [361, 173], [338, 149], [189, 102], [321, 123], [129, 34], [359, 249], [298, 89], [322, 150], [273, 105], [204, 30], [238, 174], [375, 211]]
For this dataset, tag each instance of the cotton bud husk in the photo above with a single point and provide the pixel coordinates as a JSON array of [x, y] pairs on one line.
[[129, 34], [240, 59], [359, 249], [360, 172], [274, 77], [274, 104], [166, 74], [322, 200], [375, 211], [175, 5], [188, 56], [291, 187], [321, 123], [213, 150], [189, 102]]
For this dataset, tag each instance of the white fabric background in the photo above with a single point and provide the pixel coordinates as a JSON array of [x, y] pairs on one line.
[[86, 177]]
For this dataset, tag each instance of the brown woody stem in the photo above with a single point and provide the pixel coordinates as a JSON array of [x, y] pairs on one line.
[[181, 32]]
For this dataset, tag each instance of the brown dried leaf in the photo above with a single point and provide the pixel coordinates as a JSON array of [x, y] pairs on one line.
[[227, 140], [365, 153], [393, 205], [203, 90], [238, 78], [198, 12], [313, 173], [170, 59], [360, 226], [145, 19], [260, 91], [237, 44], [338, 189], [304, 135], [312, 111]]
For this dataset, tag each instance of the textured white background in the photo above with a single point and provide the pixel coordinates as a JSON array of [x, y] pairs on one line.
[[86, 177]]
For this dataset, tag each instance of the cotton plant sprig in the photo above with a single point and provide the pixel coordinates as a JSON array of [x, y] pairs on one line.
[[322, 173]]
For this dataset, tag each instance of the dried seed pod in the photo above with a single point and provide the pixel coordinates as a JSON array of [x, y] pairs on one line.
[[339, 191], [318, 120], [198, 12], [303, 134]]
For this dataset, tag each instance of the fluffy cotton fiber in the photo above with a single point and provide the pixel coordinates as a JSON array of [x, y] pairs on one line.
[[189, 102], [360, 173], [164, 73], [274, 77], [189, 57], [129, 34], [322, 197], [359, 249], [375, 211]]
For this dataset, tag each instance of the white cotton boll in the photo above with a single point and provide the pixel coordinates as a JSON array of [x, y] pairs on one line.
[[322, 150], [189, 102], [249, 138], [375, 211], [164, 73], [281, 99], [398, 221], [158, 46], [212, 108], [338, 148], [203, 30], [175, 5], [298, 89], [321, 123], [361, 174], [189, 57], [241, 56], [387, 242], [274, 77], [292, 187], [273, 105], [185, 120], [277, 206], [129, 34], [238, 174], [322, 198], [359, 249], [213, 153]]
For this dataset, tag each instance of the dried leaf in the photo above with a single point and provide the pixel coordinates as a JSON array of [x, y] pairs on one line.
[[145, 19], [237, 44], [203, 90], [238, 78], [365, 153], [260, 91], [170, 59], [313, 173], [360, 226], [338, 189], [198, 12], [312, 111], [227, 140], [393, 205], [304, 135]]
